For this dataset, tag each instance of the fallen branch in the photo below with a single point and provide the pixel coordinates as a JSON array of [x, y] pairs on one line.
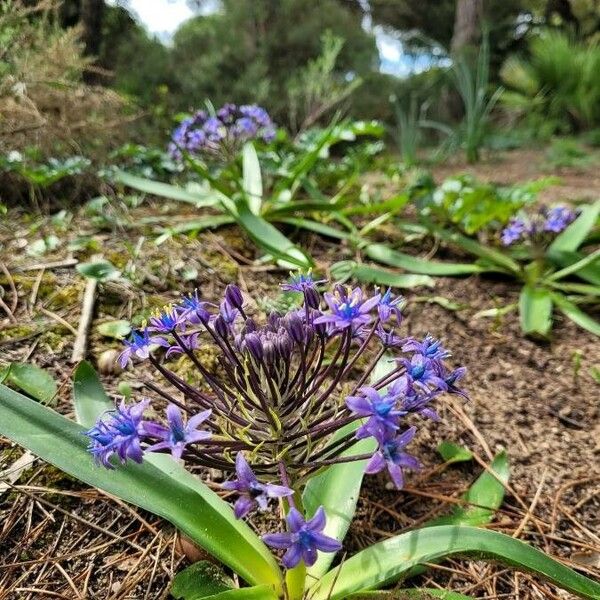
[[87, 310]]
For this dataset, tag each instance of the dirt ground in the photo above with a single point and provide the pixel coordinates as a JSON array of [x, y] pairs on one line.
[[538, 401]]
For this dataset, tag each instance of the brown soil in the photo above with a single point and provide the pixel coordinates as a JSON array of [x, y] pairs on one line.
[[576, 182], [539, 401]]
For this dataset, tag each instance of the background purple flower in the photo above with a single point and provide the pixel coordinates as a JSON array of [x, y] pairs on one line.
[[223, 134]]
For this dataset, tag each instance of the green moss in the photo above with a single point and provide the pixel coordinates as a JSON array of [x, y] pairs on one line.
[[17, 332]]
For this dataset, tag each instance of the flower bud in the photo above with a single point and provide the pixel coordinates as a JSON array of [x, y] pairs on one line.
[[233, 295], [312, 297], [221, 327], [254, 346], [295, 328]]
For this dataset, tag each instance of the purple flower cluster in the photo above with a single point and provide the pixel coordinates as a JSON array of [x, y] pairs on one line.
[[538, 227], [267, 415], [221, 135]]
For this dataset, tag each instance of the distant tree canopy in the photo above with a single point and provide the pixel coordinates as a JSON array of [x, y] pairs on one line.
[[251, 48]]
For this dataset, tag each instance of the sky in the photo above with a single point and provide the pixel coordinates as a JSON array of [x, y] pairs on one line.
[[163, 17]]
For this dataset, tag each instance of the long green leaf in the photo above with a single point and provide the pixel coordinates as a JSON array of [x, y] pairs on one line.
[[197, 510], [337, 490], [165, 190], [491, 254], [316, 227], [252, 179], [388, 560], [89, 398], [393, 205], [260, 592], [484, 497], [200, 580], [405, 594], [346, 269], [574, 235], [269, 238], [576, 315], [32, 380], [338, 487], [393, 258], [589, 273], [586, 261], [535, 310]]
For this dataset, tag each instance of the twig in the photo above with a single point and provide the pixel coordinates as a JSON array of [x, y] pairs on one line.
[[58, 264], [87, 310]]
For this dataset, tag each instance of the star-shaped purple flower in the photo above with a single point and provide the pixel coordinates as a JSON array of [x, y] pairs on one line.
[[119, 433], [381, 410], [252, 492], [166, 321], [429, 347], [423, 372], [303, 539], [514, 231], [349, 308], [389, 305], [178, 434], [391, 455], [139, 345], [193, 309]]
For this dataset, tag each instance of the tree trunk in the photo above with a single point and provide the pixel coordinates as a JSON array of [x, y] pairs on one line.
[[467, 25], [91, 20]]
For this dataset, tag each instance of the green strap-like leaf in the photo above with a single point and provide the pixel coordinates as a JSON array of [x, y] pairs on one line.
[[269, 238], [32, 380], [200, 580], [193, 508], [393, 205], [393, 258], [589, 273], [260, 592], [573, 312], [453, 453], [409, 593], [347, 269], [483, 498], [165, 190], [338, 487], [504, 262], [252, 179], [587, 261], [89, 398], [316, 227], [387, 561], [535, 310], [574, 235]]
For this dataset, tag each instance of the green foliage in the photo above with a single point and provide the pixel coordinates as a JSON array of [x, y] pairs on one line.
[[32, 380], [293, 185], [316, 89], [560, 276], [566, 152], [200, 580], [557, 82], [474, 206], [43, 174], [407, 131], [472, 84], [249, 52]]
